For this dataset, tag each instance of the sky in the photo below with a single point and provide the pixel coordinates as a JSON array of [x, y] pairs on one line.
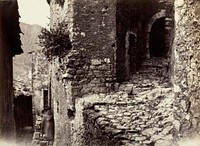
[[34, 12]]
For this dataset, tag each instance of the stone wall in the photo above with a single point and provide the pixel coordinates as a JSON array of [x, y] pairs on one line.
[[95, 133], [87, 68], [186, 66], [94, 31], [90, 66], [92, 28]]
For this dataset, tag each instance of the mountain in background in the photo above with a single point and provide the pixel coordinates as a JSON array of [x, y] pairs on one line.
[[22, 63]]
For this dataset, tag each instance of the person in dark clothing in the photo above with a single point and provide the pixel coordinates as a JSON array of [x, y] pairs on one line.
[[47, 125]]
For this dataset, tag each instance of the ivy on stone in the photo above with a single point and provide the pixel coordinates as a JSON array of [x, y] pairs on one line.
[[56, 41]]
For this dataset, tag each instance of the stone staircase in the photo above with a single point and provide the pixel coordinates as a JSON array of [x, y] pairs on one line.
[[154, 68], [152, 74], [140, 112]]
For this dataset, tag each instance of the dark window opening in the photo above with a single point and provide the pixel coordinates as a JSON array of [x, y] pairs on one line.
[[45, 98], [157, 39]]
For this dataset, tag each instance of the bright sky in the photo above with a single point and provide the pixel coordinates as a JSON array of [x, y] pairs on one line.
[[34, 12]]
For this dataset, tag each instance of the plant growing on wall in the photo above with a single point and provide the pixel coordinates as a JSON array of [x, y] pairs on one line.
[[56, 41], [60, 2]]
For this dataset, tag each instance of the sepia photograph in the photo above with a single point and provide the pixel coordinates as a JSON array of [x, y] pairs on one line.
[[99, 72]]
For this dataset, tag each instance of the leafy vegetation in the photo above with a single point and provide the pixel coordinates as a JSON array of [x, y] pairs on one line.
[[56, 41]]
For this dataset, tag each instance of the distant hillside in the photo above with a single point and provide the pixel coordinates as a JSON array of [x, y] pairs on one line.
[[22, 63], [30, 36]]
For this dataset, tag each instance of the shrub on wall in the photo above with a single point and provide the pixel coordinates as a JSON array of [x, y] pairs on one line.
[[56, 41], [60, 2]]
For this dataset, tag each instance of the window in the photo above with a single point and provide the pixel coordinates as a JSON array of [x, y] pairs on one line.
[[45, 98]]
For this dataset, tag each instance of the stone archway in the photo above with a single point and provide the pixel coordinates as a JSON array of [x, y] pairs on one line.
[[161, 14], [157, 39]]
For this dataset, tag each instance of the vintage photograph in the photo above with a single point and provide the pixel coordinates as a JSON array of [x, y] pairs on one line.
[[99, 73]]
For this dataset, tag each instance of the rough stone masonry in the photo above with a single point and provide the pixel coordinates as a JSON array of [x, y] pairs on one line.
[[109, 89]]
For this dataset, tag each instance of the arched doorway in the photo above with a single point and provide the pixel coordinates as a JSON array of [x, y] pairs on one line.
[[157, 39]]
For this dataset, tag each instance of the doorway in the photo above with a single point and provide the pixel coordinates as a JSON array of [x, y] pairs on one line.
[[132, 48], [23, 114]]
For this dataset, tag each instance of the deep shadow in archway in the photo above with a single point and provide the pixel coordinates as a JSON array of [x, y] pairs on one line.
[[157, 39]]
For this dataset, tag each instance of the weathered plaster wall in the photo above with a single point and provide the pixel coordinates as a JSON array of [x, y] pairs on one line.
[[60, 105], [67, 82], [186, 66], [40, 79]]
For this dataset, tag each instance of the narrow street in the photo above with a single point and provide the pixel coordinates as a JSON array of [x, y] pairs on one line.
[[99, 73]]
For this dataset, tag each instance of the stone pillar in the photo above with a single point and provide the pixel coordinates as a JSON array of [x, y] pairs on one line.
[[187, 66]]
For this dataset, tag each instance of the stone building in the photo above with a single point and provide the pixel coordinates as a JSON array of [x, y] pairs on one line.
[[131, 77], [10, 45], [40, 81]]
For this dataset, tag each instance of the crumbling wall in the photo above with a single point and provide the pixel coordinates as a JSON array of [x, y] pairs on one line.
[[96, 134], [186, 66]]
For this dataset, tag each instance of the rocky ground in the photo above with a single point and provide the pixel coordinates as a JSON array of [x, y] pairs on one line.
[[140, 113]]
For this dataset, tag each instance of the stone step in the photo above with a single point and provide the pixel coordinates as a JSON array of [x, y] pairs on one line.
[[153, 73], [155, 62], [154, 67]]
